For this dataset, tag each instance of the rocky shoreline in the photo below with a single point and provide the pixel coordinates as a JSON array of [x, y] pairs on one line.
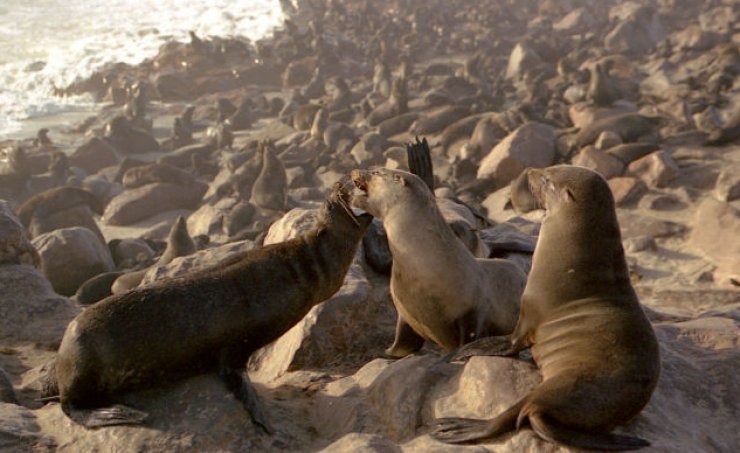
[[243, 140]]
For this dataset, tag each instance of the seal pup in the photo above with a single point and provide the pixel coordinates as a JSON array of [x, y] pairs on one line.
[[441, 291], [209, 320], [580, 315], [270, 189], [179, 243]]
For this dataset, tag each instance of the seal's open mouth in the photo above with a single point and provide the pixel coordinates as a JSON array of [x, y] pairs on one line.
[[359, 179]]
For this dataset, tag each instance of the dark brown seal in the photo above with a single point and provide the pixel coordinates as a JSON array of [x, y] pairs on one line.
[[62, 207], [581, 317], [442, 292], [209, 320]]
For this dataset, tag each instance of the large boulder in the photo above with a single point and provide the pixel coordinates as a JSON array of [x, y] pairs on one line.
[[696, 394], [199, 260], [197, 414], [715, 233], [143, 202], [531, 145], [15, 246], [70, 256], [30, 310], [94, 155]]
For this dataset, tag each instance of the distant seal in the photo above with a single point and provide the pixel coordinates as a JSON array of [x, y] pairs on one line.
[[593, 343], [96, 288], [208, 320], [270, 189], [179, 243], [441, 291], [600, 88], [156, 172], [40, 213]]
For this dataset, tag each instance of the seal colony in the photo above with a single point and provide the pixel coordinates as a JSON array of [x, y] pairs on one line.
[[209, 320], [582, 320]]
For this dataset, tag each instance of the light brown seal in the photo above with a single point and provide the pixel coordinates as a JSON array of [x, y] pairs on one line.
[[209, 320], [593, 343], [441, 291]]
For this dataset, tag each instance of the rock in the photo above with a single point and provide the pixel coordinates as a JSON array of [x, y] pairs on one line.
[[626, 189], [498, 206], [576, 22], [30, 310], [208, 219], [635, 225], [20, 431], [637, 31], [661, 202], [521, 60], [70, 256], [640, 244], [146, 201], [531, 145], [197, 414], [343, 323], [94, 155], [715, 233], [694, 38], [599, 161], [198, 260], [362, 443], [727, 187], [656, 169], [15, 246]]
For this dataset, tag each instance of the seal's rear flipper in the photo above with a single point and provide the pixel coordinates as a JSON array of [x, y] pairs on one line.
[[407, 341], [486, 346], [105, 416], [237, 381], [555, 432], [420, 161], [468, 430]]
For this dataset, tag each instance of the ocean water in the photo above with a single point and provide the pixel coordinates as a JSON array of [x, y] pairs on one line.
[[48, 43]]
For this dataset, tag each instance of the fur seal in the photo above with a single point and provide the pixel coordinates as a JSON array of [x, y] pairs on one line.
[[580, 315], [270, 189], [7, 393], [441, 291], [43, 212], [156, 172], [179, 243], [209, 320]]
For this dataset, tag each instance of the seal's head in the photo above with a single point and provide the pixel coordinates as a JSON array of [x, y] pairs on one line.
[[337, 211], [560, 186], [379, 190]]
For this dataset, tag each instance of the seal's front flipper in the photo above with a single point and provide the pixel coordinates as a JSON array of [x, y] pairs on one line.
[[552, 431], [486, 346], [461, 430], [407, 341], [105, 416], [420, 161], [237, 381]]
